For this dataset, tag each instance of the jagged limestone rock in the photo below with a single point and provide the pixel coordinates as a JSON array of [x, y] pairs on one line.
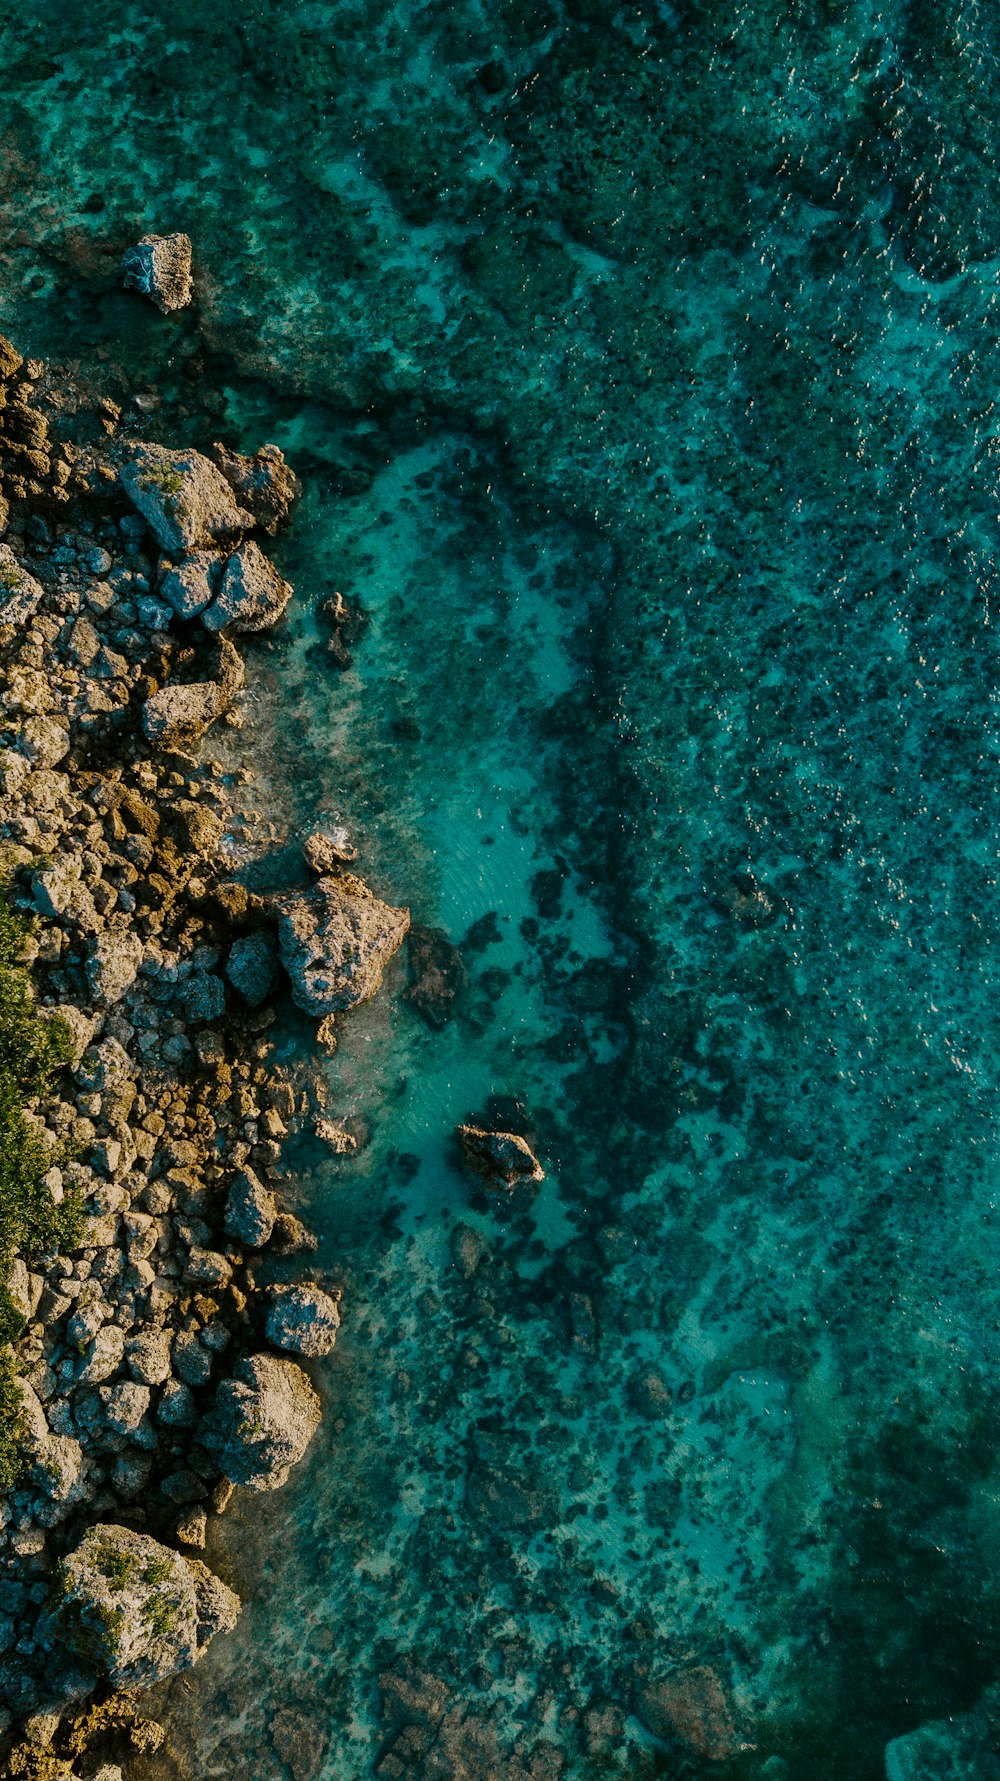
[[302, 1320], [181, 495], [250, 1210], [335, 941], [262, 1421], [503, 1159], [180, 714], [263, 484], [160, 267], [20, 593], [252, 595], [136, 1611], [189, 586], [113, 960]]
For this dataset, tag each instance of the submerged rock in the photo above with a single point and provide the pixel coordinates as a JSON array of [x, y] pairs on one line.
[[136, 1611], [335, 940], [691, 1704], [181, 495], [262, 1421], [263, 484], [252, 595], [437, 974], [302, 1320], [160, 267], [503, 1159]]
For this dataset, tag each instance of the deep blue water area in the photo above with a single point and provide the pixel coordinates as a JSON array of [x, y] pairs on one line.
[[640, 366]]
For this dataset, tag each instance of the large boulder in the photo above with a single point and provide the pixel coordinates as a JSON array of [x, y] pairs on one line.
[[335, 940], [302, 1320], [252, 595], [136, 1611], [263, 484], [262, 1421], [250, 1210], [504, 1160], [178, 715], [160, 267], [112, 961], [182, 497], [20, 593], [189, 586], [250, 967]]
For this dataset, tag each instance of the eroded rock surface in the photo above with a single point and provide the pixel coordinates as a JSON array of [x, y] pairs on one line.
[[160, 267], [183, 497], [302, 1320], [263, 484], [502, 1159], [135, 1610], [262, 1421], [252, 595], [335, 941]]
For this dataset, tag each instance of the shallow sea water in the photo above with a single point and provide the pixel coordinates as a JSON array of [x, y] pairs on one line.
[[640, 366]]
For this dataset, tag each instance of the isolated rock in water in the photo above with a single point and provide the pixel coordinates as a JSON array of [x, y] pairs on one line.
[[335, 940], [135, 1610], [503, 1159], [178, 715], [112, 961], [250, 1210], [327, 849], [262, 1421], [437, 974], [182, 497], [342, 1142], [20, 593], [189, 586], [10, 359], [160, 267], [263, 484], [302, 1319], [252, 595], [250, 967]]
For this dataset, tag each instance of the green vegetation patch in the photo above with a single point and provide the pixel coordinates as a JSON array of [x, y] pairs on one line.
[[31, 1224]]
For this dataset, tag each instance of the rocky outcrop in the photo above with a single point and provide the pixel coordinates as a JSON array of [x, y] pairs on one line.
[[176, 716], [335, 941], [160, 267], [302, 1320], [262, 1421], [264, 485], [252, 595], [503, 1160], [134, 1610], [250, 1210], [189, 586], [113, 960], [181, 495], [20, 593], [326, 850]]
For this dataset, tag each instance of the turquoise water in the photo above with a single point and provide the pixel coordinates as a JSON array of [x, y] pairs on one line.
[[640, 366]]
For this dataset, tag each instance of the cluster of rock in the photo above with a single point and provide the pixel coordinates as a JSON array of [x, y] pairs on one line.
[[155, 1362]]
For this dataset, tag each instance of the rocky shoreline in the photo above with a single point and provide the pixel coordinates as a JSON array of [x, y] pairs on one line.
[[159, 1365]]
